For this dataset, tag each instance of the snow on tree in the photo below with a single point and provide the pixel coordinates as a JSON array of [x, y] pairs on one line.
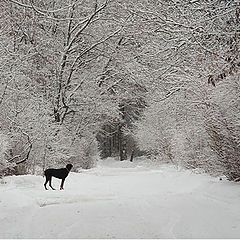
[[60, 51], [194, 43], [73, 70]]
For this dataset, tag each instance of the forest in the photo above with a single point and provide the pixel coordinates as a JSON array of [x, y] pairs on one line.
[[82, 80]]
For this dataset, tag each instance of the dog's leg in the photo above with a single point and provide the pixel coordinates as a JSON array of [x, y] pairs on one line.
[[61, 187], [50, 183], [45, 184]]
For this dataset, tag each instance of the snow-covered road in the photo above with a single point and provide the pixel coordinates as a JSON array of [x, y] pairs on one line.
[[121, 200]]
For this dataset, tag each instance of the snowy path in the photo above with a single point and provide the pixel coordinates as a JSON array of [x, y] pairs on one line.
[[121, 200]]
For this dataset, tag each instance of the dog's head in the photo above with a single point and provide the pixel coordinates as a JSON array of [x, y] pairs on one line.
[[69, 166]]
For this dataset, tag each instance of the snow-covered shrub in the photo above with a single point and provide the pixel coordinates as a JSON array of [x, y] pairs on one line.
[[174, 131], [65, 147], [225, 143], [87, 154], [190, 147], [4, 146], [223, 127], [154, 132]]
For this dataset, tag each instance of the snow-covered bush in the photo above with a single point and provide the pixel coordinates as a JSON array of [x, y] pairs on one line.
[[174, 131], [190, 147], [223, 127], [4, 146], [154, 131], [87, 154], [64, 146]]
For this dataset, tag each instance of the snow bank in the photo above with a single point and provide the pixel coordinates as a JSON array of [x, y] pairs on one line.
[[121, 200]]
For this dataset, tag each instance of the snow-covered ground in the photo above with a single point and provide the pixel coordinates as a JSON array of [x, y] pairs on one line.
[[121, 200]]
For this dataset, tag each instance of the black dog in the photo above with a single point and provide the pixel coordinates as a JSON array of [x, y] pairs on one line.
[[61, 173]]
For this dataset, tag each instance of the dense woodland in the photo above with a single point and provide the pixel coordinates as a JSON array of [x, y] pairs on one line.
[[84, 79]]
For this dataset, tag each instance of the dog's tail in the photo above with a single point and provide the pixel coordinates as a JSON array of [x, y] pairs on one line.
[[43, 174]]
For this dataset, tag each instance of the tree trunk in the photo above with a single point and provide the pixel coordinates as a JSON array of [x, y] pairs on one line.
[[121, 137]]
